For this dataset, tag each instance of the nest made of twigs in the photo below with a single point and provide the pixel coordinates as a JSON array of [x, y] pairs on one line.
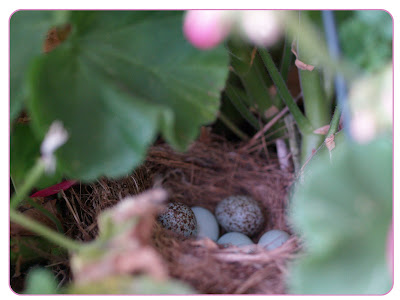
[[209, 171]]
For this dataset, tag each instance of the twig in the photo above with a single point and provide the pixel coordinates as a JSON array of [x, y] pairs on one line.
[[293, 142], [233, 127], [270, 124]]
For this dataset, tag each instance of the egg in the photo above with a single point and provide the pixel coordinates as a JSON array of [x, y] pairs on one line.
[[235, 238], [207, 225], [179, 218], [240, 214], [273, 239]]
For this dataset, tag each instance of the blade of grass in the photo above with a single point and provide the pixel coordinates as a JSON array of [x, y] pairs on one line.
[[287, 58], [303, 123], [246, 65], [233, 94], [233, 127]]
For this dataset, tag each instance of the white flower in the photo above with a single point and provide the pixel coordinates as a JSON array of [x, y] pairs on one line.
[[55, 138], [260, 27]]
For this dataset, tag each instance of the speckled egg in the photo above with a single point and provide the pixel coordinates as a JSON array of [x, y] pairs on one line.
[[273, 239], [240, 214], [206, 223], [180, 219], [235, 238]]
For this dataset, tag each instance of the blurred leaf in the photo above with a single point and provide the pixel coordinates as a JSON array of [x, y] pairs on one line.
[[342, 211], [31, 249], [24, 151], [27, 35], [40, 281], [366, 38], [119, 79], [132, 285]]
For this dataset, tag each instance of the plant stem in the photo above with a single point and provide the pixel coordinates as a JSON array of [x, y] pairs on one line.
[[334, 50], [233, 127], [303, 123], [33, 176], [47, 214], [44, 231], [316, 49], [334, 122], [316, 106]]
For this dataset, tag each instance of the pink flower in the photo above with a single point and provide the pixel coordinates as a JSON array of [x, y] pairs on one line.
[[205, 29]]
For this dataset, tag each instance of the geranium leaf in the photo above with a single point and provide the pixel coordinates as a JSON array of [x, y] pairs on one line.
[[342, 212], [27, 35], [117, 81]]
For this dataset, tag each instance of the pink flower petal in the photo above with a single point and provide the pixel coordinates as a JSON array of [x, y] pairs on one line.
[[205, 29], [54, 189]]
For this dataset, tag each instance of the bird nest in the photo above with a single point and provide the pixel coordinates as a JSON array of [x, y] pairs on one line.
[[211, 170]]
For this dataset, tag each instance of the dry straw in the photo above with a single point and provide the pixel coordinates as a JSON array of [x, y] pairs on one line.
[[209, 171]]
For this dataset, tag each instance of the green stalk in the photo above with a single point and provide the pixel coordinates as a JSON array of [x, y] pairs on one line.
[[33, 176], [334, 122], [303, 123], [44, 231], [316, 106], [47, 214], [314, 46], [233, 127]]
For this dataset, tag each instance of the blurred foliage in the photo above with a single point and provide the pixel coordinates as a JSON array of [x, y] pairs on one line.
[[137, 285], [26, 28], [29, 249], [366, 38], [40, 281], [341, 208]]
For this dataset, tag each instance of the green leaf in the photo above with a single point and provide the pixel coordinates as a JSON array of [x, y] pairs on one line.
[[26, 250], [366, 38], [28, 31], [117, 81], [344, 271], [25, 150], [342, 211], [40, 281], [137, 285]]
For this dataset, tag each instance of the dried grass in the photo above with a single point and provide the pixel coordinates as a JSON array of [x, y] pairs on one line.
[[209, 171]]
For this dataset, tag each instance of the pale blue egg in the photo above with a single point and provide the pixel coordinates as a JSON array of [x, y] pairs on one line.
[[273, 239], [207, 225], [235, 238]]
